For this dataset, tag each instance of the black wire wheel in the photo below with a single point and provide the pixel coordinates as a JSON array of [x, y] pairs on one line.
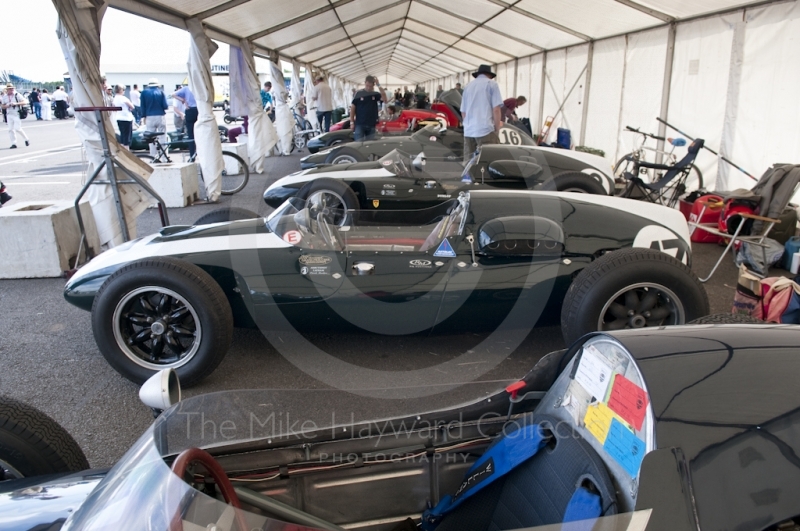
[[629, 289], [162, 313], [235, 173], [157, 328], [332, 198]]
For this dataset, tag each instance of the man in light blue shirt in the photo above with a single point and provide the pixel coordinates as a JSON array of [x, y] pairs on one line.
[[185, 96], [481, 106]]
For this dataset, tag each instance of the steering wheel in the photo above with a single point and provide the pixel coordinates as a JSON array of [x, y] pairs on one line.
[[197, 455], [329, 234]]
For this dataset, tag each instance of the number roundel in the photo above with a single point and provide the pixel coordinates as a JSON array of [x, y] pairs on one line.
[[508, 136]]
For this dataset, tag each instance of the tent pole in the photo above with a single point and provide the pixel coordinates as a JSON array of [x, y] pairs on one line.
[[665, 90], [586, 88], [516, 66], [541, 91]]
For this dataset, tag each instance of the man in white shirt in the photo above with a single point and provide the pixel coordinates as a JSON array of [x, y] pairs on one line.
[[324, 101], [481, 106], [136, 99], [61, 99], [12, 102]]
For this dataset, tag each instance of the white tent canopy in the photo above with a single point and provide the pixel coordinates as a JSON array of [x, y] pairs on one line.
[[723, 70]]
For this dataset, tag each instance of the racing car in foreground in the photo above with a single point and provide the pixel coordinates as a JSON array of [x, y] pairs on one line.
[[679, 429], [478, 261], [395, 181]]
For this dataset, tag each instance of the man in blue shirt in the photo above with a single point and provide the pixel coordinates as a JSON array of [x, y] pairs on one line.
[[185, 96], [364, 109], [154, 108], [481, 106]]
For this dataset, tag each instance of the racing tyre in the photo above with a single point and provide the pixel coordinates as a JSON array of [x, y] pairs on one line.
[[32, 444], [727, 318], [225, 214], [332, 197], [582, 183], [160, 313], [345, 155], [235, 173], [631, 288]]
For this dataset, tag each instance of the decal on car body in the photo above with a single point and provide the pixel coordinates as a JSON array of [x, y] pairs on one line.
[[308, 259]]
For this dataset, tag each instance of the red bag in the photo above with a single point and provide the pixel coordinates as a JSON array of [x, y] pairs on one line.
[[777, 293], [713, 208]]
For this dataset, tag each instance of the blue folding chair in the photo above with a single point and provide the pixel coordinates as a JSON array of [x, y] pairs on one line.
[[669, 188]]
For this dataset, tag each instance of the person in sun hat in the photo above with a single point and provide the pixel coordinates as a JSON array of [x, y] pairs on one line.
[[481, 111], [154, 110], [12, 102]]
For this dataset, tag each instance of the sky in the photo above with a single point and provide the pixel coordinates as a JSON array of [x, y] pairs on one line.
[[32, 50]]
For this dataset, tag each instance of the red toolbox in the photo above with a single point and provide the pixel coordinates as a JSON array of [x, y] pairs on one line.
[[713, 205]]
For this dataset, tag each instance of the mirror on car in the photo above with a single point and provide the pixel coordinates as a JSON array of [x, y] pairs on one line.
[[419, 162], [161, 391], [513, 169]]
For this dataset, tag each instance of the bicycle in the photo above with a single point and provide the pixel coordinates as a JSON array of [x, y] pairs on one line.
[[630, 163], [235, 173]]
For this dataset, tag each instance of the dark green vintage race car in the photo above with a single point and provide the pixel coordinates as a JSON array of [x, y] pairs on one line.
[[178, 141], [488, 259]]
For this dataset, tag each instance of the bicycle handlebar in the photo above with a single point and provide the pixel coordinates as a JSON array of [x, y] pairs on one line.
[[654, 137]]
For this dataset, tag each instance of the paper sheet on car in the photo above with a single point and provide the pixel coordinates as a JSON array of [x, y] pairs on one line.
[[594, 372], [628, 400], [624, 447], [598, 420]]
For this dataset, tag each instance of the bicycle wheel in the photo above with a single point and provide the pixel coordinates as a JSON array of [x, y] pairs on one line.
[[146, 158], [235, 174], [681, 186], [624, 165]]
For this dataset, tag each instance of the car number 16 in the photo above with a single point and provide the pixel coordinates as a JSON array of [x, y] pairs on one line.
[[508, 136]]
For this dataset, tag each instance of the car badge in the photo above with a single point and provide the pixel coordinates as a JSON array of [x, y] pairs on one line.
[[445, 250], [439, 264], [376, 203], [308, 259], [293, 237], [387, 162]]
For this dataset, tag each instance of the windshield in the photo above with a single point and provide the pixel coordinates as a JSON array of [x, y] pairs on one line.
[[428, 133], [398, 163]]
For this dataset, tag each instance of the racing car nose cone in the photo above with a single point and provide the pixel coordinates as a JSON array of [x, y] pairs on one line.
[[158, 328]]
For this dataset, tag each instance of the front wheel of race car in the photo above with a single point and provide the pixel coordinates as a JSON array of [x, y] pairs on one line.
[[33, 444], [161, 313], [631, 288], [331, 197], [577, 182], [345, 155]]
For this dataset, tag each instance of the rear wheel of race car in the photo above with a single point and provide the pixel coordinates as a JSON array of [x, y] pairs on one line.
[[32, 444], [727, 318], [631, 288], [578, 182], [225, 214], [345, 155], [161, 313], [331, 197]]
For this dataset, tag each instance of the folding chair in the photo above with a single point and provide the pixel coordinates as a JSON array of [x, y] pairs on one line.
[[772, 192], [670, 187]]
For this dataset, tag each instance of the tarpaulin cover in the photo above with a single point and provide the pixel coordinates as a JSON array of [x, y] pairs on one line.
[[284, 123], [79, 36], [206, 133], [261, 137]]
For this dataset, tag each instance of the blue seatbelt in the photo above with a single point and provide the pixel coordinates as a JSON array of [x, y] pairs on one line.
[[500, 459]]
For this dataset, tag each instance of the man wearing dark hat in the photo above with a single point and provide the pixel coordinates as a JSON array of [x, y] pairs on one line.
[[481, 106], [154, 108], [364, 109]]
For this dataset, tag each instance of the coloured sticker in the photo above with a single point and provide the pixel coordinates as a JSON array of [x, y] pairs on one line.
[[625, 447], [594, 372], [598, 420], [628, 400], [293, 237], [376, 203], [445, 250]]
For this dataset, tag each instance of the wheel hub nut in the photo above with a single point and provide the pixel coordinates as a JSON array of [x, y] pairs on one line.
[[638, 321], [157, 328]]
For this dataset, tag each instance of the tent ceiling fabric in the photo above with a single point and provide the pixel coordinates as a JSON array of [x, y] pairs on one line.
[[418, 40]]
